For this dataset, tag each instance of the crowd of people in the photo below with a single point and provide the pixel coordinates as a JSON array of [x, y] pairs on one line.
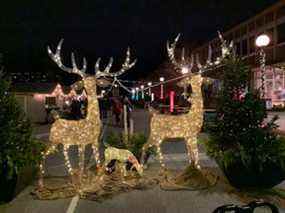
[[114, 104]]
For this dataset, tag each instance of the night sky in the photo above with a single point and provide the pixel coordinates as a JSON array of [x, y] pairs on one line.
[[106, 27]]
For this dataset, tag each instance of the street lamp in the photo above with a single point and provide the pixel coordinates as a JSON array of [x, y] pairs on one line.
[[149, 88], [133, 94], [184, 70], [261, 42], [137, 93], [142, 90], [161, 79]]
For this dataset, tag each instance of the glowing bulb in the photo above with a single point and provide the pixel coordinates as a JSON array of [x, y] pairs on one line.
[[262, 40], [161, 79], [185, 70], [149, 84]]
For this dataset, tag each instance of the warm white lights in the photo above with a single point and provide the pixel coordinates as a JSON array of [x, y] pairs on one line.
[[184, 70], [161, 79], [149, 84], [262, 40], [186, 126], [84, 131]]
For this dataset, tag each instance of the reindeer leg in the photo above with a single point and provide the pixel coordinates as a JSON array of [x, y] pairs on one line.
[[66, 158], [145, 147], [81, 153], [192, 148], [142, 160], [160, 156], [42, 165], [195, 151], [96, 155]]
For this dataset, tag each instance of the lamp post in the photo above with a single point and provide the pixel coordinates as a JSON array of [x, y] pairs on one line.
[[137, 93], [133, 94], [149, 88], [142, 90], [261, 42], [161, 79], [184, 70]]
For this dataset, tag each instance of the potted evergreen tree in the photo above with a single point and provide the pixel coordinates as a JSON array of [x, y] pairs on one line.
[[18, 149], [243, 141]]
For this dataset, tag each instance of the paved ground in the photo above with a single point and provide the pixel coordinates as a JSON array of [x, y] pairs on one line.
[[153, 200]]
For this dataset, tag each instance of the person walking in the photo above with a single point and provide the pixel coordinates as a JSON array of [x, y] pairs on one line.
[[117, 110]]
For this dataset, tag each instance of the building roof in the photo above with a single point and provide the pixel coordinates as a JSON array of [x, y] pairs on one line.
[[43, 88]]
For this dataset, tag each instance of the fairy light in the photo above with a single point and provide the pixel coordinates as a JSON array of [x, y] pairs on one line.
[[96, 154]]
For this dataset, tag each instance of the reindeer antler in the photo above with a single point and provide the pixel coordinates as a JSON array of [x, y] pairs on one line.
[[226, 50], [106, 72], [56, 57], [171, 54]]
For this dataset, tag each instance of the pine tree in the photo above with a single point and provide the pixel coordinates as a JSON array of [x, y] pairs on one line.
[[241, 134], [18, 148]]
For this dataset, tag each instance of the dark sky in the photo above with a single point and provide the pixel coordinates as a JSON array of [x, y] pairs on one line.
[[105, 28]]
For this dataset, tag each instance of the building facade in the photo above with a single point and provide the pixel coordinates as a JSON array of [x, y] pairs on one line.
[[272, 22]]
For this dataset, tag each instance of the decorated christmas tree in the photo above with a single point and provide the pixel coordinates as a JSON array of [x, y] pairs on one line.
[[244, 142]]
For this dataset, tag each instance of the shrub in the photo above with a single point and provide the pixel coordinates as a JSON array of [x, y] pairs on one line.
[[134, 144], [18, 148]]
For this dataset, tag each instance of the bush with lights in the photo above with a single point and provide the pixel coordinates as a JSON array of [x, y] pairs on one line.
[[18, 149], [245, 146]]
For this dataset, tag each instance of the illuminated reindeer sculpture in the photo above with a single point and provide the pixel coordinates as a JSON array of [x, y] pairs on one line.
[[188, 125], [85, 131]]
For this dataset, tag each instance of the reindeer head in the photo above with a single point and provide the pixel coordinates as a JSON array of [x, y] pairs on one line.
[[186, 65], [89, 82], [136, 164]]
